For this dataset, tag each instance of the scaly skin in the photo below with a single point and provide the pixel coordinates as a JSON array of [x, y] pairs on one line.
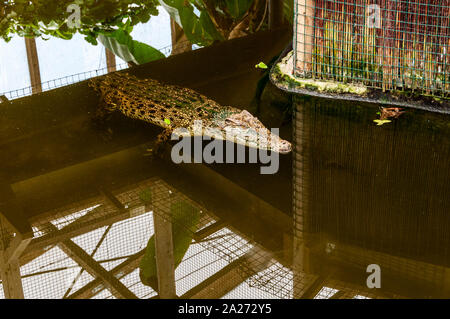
[[176, 109]]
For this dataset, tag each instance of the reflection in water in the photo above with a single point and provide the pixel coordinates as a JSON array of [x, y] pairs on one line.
[[367, 194]]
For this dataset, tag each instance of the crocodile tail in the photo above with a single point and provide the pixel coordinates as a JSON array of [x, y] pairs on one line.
[[105, 82], [95, 83], [101, 85]]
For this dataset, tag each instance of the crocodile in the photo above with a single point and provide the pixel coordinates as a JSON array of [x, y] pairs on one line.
[[178, 110]]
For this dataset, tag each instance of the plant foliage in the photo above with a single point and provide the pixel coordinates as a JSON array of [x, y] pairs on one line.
[[207, 21], [122, 45], [111, 21], [47, 18]]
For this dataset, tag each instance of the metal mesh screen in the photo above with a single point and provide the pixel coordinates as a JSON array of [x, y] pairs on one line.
[[385, 44], [259, 273], [74, 245], [226, 244]]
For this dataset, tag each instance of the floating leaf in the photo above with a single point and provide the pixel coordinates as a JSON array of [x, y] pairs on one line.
[[261, 65], [381, 122]]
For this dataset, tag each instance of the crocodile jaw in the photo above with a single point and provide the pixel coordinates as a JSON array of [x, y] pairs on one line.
[[248, 130], [261, 139], [241, 128]]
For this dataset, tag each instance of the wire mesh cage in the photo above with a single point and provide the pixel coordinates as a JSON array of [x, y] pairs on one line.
[[90, 248], [244, 256], [384, 44]]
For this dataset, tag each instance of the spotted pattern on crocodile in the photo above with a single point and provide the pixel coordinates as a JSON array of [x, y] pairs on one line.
[[155, 102], [173, 107]]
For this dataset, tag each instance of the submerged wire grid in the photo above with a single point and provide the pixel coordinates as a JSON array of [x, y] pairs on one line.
[[257, 267], [225, 243], [116, 239], [385, 44]]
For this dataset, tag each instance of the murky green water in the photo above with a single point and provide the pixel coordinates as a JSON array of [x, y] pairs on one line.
[[369, 194]]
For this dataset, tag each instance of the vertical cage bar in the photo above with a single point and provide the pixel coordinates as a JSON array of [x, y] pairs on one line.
[[305, 36]]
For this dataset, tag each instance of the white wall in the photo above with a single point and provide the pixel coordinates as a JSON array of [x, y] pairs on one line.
[[59, 58]]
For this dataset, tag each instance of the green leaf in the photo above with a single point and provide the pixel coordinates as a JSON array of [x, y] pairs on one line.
[[237, 8], [40, 18], [288, 10], [122, 45], [171, 7], [91, 39], [381, 122], [261, 65], [185, 222], [198, 29], [167, 121], [209, 27]]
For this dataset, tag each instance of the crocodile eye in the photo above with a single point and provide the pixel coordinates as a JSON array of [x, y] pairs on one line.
[[229, 121]]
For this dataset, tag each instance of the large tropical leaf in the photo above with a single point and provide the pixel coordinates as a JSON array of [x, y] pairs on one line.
[[237, 8], [288, 10], [122, 45], [208, 26], [198, 29]]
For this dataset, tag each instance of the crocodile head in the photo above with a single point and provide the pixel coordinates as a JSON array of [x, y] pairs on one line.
[[240, 127], [248, 130]]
